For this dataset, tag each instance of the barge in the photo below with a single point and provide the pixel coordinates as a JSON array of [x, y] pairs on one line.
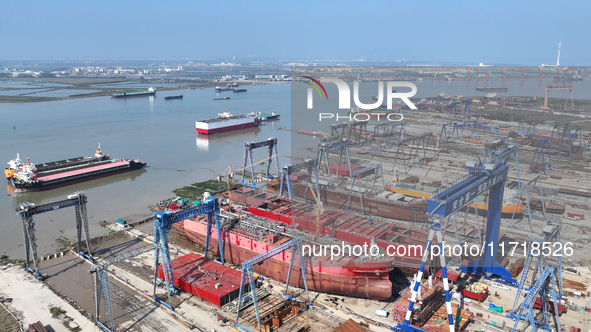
[[26, 176]]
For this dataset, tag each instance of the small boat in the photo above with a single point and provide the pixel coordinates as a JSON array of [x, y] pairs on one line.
[[239, 90], [149, 92], [220, 89], [173, 97], [492, 89], [222, 98], [266, 116]]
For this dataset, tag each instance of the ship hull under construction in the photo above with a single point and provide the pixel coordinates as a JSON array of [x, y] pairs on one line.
[[369, 280], [414, 210]]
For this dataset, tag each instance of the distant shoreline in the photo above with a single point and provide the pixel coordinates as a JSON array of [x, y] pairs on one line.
[[89, 84]]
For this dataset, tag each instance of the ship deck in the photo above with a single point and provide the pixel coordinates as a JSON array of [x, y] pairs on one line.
[[334, 223], [81, 170]]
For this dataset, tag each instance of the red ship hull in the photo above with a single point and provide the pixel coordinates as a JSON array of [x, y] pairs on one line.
[[225, 129], [368, 280]]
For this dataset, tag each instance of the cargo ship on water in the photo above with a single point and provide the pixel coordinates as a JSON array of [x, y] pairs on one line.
[[262, 220], [229, 87], [226, 122], [492, 89], [26, 176], [149, 92]]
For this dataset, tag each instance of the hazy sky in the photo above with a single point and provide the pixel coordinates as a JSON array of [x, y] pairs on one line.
[[501, 32]]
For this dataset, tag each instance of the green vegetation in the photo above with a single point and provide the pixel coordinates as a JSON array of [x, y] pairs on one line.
[[66, 324], [195, 191], [5, 259], [103, 223], [56, 311], [63, 243]]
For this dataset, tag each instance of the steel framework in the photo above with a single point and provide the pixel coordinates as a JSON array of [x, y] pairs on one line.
[[26, 211], [357, 176], [526, 192], [163, 221], [322, 156], [101, 283], [540, 288], [449, 200], [542, 151], [287, 170], [295, 245], [248, 147]]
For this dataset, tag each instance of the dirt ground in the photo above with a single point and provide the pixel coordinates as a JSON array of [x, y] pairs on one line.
[[7, 322]]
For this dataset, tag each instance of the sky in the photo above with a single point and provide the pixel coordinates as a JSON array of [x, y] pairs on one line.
[[500, 32]]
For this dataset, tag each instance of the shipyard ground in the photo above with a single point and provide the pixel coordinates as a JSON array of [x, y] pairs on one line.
[[73, 288], [131, 288]]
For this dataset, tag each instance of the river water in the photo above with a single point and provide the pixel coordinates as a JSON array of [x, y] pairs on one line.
[[162, 133]]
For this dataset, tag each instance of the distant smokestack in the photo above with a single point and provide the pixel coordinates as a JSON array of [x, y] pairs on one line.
[[558, 60]]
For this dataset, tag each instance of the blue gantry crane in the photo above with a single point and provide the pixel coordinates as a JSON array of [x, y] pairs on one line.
[[499, 152], [248, 147], [163, 221], [26, 211], [542, 151], [387, 134], [322, 156], [526, 192], [287, 170], [547, 280], [455, 131], [526, 127], [357, 176], [454, 110], [551, 235], [449, 200], [295, 245]]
